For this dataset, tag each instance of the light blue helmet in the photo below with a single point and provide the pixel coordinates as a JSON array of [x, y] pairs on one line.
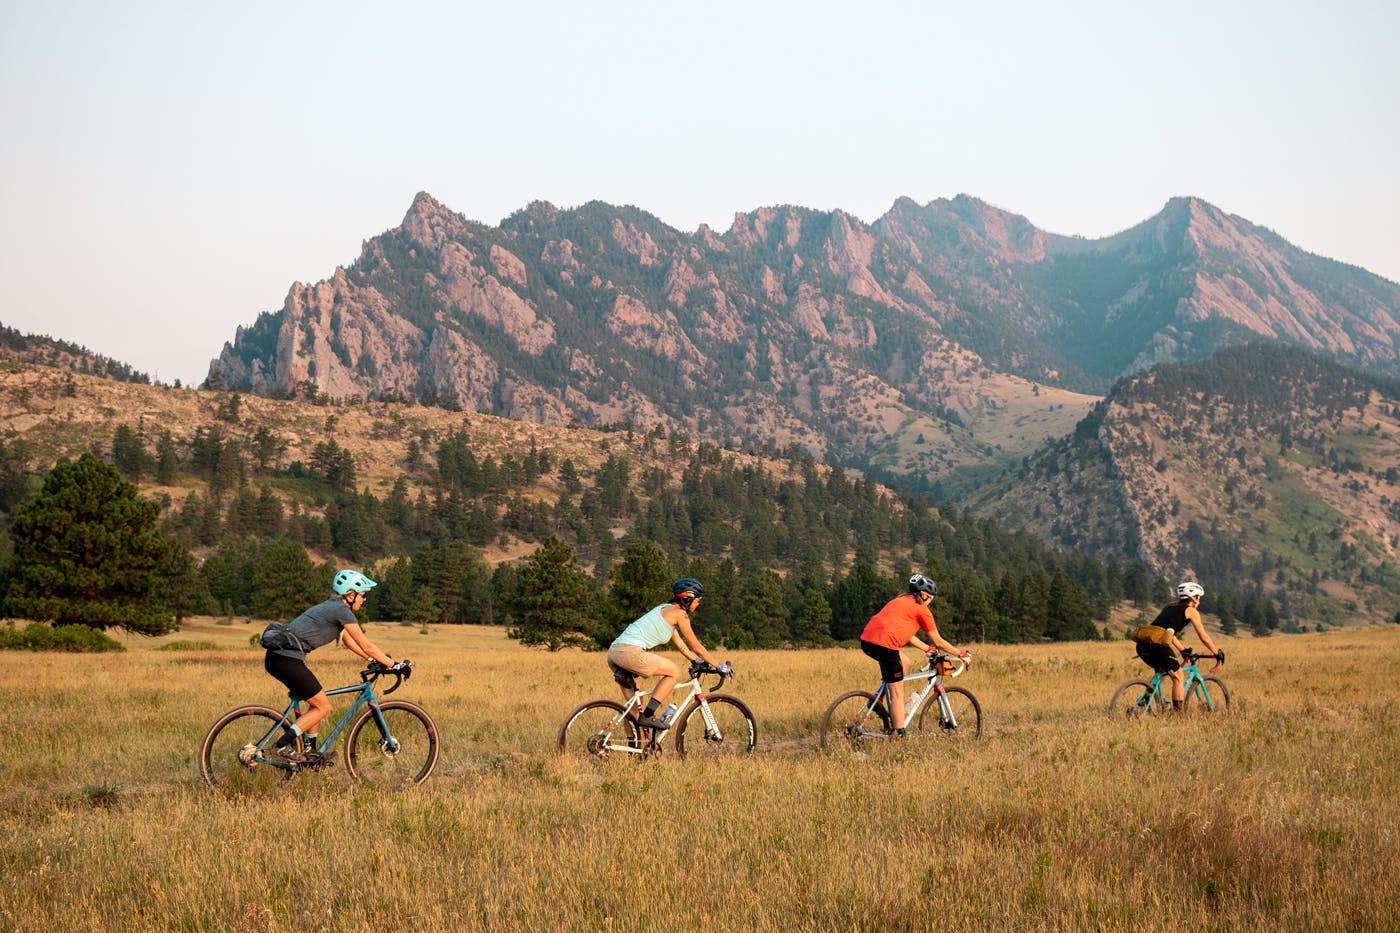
[[352, 581]]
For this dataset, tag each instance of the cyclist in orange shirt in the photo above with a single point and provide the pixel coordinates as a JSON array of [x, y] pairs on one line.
[[897, 625]]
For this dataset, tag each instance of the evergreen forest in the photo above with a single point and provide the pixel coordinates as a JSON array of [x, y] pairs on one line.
[[561, 547]]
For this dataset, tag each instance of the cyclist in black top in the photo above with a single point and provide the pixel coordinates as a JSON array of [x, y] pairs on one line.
[[1156, 648]]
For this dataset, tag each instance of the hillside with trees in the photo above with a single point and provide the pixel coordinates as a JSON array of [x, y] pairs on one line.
[[468, 518], [1266, 468]]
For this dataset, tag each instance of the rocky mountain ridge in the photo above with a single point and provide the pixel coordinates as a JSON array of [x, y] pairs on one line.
[[938, 339]]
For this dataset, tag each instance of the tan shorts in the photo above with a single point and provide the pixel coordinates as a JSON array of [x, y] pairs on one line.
[[635, 659]]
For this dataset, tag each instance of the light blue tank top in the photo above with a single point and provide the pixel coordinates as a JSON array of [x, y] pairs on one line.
[[647, 632]]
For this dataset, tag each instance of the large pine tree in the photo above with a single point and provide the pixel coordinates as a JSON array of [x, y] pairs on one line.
[[87, 552], [554, 601]]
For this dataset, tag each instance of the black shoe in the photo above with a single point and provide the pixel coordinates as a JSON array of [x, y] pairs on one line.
[[319, 757], [654, 722], [291, 753]]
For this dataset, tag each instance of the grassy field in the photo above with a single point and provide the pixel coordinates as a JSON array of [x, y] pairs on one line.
[[1282, 814]]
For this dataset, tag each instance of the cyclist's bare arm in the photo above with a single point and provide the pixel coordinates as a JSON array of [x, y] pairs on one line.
[[354, 638], [683, 637], [935, 641], [1194, 618]]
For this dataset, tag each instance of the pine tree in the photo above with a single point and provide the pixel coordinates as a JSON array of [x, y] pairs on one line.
[[640, 581], [761, 620], [284, 581], [167, 460], [554, 599], [182, 589], [812, 624], [129, 453], [87, 552], [855, 599]]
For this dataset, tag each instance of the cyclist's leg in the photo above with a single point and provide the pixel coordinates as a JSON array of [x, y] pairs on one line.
[[892, 674], [643, 663], [626, 681], [1163, 660], [319, 708], [1178, 686], [291, 672]]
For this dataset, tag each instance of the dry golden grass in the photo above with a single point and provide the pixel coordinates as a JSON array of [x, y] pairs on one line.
[[1280, 815]]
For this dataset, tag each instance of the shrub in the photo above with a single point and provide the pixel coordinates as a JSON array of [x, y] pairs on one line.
[[188, 646], [37, 636]]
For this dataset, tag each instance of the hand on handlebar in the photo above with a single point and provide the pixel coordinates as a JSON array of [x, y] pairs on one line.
[[403, 668], [725, 670]]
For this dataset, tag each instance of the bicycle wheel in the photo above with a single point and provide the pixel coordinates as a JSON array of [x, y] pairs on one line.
[[849, 721], [400, 750], [1133, 699], [967, 716], [228, 756], [597, 728], [1219, 696], [735, 731]]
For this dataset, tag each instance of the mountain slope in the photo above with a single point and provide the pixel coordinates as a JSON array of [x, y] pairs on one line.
[[938, 340], [1263, 465]]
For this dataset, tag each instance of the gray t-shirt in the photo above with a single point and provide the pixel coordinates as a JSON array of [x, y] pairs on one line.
[[319, 625]]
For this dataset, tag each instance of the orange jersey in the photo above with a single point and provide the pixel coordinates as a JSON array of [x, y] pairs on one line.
[[895, 624]]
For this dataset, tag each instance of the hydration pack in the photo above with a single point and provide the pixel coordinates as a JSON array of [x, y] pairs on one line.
[[278, 637]]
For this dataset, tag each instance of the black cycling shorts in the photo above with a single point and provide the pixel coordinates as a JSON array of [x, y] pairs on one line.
[[293, 674], [891, 661], [1161, 658]]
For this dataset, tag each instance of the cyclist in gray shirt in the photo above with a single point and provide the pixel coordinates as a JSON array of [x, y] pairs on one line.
[[288, 643]]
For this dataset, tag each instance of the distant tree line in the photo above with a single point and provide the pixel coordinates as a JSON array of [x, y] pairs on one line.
[[54, 352]]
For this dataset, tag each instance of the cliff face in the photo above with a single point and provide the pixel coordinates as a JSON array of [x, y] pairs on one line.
[[798, 326]]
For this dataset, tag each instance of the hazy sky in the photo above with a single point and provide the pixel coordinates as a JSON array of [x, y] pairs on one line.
[[168, 170]]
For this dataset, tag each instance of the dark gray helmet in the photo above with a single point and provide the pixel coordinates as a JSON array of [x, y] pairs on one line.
[[919, 583]]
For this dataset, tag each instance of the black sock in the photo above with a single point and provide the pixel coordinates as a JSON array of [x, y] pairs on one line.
[[651, 707]]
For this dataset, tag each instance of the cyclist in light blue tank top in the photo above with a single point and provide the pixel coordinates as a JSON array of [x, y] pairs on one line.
[[630, 654], [648, 632]]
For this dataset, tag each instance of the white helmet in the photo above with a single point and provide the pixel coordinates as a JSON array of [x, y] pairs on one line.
[[1189, 588]]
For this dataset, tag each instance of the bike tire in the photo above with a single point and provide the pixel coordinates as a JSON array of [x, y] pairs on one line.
[[967, 713], [846, 717], [406, 755], [1133, 699], [584, 730], [738, 731], [1220, 696], [225, 757]]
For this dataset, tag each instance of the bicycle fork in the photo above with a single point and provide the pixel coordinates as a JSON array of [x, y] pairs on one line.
[[712, 732], [946, 719]]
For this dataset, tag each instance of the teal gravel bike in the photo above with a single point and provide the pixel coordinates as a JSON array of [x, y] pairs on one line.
[[1204, 692], [387, 742]]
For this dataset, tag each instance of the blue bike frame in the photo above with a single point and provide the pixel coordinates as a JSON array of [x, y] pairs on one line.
[[364, 695]]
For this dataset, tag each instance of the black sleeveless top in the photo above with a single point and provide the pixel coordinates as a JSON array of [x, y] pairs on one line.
[[1172, 617]]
